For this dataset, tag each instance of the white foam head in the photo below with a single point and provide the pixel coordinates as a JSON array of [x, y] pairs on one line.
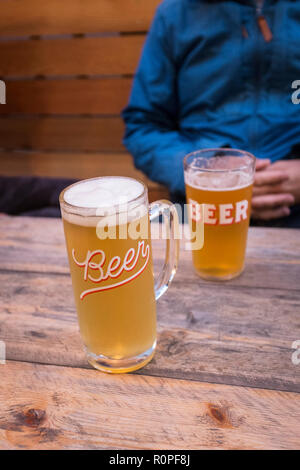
[[104, 197], [220, 173], [218, 181], [103, 192]]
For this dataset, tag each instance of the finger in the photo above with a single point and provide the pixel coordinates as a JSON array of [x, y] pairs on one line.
[[270, 177], [268, 189], [261, 163], [272, 200], [271, 213], [279, 165], [261, 190]]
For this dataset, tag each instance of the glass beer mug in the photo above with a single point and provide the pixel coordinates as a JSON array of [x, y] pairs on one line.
[[107, 230], [218, 190]]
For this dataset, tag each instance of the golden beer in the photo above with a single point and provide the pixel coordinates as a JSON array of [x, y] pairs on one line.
[[110, 260], [221, 199], [123, 323]]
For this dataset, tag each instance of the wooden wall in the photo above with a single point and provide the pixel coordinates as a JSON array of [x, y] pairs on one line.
[[68, 68]]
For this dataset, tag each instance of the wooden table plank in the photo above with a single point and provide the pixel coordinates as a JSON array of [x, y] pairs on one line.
[[236, 333], [244, 344], [37, 244], [49, 407]]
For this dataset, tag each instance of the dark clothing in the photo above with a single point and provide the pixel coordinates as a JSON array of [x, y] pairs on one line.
[[292, 221], [31, 196]]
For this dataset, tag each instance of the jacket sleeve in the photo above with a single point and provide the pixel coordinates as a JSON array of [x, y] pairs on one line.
[[151, 117]]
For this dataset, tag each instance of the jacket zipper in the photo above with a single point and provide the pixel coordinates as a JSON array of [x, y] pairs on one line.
[[262, 22], [267, 35], [253, 135]]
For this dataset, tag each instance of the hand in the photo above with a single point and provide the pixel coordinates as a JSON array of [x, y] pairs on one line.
[[292, 183], [272, 190]]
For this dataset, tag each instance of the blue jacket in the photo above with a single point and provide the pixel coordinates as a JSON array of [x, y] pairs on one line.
[[208, 78]]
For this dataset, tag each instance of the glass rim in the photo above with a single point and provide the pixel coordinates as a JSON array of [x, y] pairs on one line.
[[78, 209], [226, 149]]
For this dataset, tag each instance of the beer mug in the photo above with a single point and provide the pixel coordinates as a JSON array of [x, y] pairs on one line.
[[219, 189], [107, 230]]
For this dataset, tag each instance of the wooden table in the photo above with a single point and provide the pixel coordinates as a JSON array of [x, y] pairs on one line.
[[222, 377]]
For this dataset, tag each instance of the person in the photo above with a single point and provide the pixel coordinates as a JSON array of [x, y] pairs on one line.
[[215, 73]]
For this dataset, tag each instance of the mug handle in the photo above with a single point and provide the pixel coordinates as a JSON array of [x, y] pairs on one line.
[[170, 218]]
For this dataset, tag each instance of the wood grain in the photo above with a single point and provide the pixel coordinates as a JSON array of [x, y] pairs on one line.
[[246, 343], [77, 56], [228, 333], [63, 134], [50, 407], [35, 17], [272, 262], [198, 339], [82, 96], [76, 165], [73, 165]]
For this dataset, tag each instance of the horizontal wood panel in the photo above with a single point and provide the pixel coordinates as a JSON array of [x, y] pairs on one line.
[[90, 96], [49, 407], [73, 165], [83, 56], [61, 133], [76, 165], [31, 17]]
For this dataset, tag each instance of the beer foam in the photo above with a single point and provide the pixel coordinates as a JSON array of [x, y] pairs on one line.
[[103, 192], [111, 197], [227, 181]]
